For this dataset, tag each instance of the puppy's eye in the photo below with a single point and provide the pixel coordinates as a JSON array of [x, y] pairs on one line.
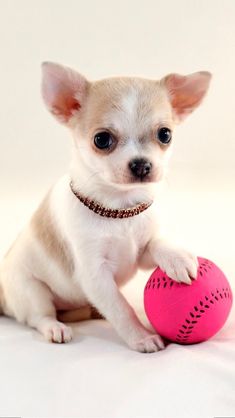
[[103, 140], [164, 135]]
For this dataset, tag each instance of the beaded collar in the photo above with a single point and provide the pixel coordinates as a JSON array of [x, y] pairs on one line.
[[108, 212]]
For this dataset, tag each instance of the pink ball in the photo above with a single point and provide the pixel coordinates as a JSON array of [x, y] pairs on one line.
[[188, 314]]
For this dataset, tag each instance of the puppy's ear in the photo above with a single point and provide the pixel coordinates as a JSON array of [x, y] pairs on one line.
[[63, 90], [186, 92]]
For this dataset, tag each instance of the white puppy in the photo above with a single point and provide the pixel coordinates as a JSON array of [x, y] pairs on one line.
[[97, 225]]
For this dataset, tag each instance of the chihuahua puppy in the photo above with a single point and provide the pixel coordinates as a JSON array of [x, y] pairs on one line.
[[97, 225]]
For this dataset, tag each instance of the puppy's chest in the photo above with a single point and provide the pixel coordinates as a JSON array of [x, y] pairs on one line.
[[121, 248]]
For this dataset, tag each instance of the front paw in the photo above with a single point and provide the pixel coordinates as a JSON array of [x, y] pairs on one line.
[[146, 342], [178, 264]]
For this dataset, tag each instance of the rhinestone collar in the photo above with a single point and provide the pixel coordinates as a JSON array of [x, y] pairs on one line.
[[108, 212]]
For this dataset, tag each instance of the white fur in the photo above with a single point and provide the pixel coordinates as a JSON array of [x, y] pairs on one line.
[[106, 252]]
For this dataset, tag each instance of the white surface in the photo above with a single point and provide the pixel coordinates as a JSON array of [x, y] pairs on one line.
[[96, 375]]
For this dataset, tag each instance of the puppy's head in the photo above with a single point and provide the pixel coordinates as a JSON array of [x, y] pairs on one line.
[[122, 127]]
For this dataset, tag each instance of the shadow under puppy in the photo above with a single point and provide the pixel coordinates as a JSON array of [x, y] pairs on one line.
[[97, 225]]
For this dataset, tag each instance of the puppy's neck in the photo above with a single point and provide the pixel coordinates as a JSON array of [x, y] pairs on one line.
[[109, 195]]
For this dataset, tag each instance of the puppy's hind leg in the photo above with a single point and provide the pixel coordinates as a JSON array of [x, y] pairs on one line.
[[42, 314], [32, 303]]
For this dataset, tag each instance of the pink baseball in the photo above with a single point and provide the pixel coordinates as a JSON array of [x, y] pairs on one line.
[[188, 314]]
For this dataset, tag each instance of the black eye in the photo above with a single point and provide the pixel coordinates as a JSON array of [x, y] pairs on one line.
[[164, 135], [103, 140]]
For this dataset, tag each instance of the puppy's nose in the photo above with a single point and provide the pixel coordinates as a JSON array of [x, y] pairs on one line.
[[140, 167]]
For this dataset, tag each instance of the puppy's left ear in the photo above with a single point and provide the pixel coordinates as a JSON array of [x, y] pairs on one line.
[[186, 92], [63, 90]]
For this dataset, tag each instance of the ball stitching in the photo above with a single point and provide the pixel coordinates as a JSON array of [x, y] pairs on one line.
[[184, 334], [183, 338]]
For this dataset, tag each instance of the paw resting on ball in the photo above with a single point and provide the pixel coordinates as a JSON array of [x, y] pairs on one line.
[[188, 314], [178, 264]]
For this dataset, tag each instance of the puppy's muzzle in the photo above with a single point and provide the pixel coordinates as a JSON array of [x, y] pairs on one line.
[[140, 168]]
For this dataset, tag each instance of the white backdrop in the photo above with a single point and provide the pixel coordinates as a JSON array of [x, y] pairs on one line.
[[102, 38], [126, 37]]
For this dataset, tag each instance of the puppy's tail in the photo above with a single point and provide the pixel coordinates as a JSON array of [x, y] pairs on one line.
[[81, 314]]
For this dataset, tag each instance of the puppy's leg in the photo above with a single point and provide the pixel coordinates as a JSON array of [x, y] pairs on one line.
[[30, 302], [102, 291], [178, 264]]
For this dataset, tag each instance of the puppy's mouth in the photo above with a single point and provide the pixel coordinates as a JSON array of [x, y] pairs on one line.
[[141, 180], [132, 181], [124, 179], [154, 177]]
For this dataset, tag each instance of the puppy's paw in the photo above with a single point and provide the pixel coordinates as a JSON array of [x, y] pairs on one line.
[[57, 332], [149, 343], [178, 264]]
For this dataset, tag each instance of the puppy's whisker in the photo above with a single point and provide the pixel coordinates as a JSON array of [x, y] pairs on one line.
[[167, 181]]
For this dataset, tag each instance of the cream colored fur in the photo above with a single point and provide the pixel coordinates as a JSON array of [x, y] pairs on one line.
[[69, 257]]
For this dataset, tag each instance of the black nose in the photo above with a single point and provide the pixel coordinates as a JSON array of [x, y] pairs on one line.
[[140, 167]]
